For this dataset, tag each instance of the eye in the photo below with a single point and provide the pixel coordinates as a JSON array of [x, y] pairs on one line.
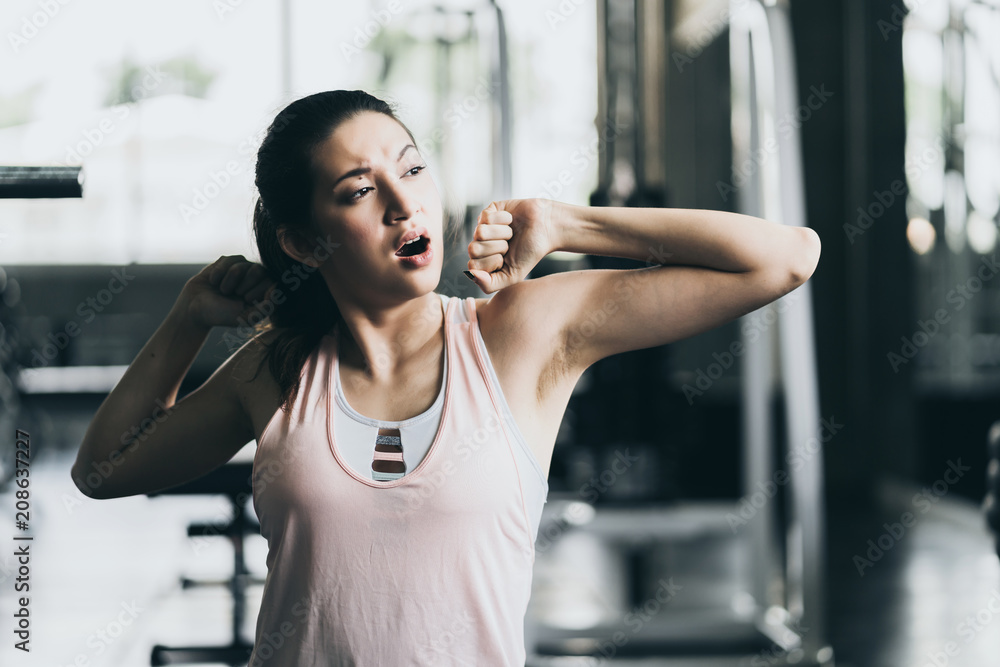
[[358, 194]]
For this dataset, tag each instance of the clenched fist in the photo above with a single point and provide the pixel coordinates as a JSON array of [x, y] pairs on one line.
[[510, 238], [226, 292]]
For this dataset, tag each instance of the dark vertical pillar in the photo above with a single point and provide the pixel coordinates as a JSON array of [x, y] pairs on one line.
[[863, 287]]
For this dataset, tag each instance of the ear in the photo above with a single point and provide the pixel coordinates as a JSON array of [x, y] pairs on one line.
[[295, 247]]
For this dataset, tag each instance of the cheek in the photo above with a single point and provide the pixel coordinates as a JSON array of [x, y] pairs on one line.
[[362, 239], [433, 206]]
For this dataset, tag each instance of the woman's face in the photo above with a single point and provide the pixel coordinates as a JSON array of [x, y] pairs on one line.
[[372, 188]]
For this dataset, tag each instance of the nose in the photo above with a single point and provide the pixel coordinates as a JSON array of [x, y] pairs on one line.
[[401, 204]]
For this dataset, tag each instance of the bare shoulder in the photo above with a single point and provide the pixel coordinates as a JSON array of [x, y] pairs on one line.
[[252, 381], [525, 342], [248, 357]]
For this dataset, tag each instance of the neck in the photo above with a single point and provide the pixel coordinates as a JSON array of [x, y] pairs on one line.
[[382, 340]]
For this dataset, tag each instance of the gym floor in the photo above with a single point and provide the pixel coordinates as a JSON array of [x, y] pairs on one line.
[[105, 580]]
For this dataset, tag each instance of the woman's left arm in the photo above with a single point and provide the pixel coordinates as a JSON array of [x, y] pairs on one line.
[[711, 267]]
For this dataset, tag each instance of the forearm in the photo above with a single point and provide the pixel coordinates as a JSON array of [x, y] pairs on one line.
[[713, 239], [151, 382]]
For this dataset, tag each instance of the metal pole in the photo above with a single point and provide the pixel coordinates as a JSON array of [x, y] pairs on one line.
[[41, 182]]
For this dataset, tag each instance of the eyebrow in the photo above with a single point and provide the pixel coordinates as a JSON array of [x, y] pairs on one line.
[[365, 170]]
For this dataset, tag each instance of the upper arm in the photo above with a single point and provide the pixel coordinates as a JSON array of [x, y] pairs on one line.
[[179, 443], [591, 314], [607, 311]]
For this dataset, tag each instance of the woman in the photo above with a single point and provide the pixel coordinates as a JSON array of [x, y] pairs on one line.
[[404, 437]]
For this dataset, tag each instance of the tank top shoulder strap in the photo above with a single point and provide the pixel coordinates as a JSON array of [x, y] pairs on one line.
[[466, 310]]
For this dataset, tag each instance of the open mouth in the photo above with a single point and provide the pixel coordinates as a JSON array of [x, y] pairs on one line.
[[414, 247]]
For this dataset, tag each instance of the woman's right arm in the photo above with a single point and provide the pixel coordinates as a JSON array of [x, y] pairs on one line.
[[142, 439]]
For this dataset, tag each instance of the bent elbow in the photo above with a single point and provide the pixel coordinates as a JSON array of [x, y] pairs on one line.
[[90, 482], [806, 255], [79, 475]]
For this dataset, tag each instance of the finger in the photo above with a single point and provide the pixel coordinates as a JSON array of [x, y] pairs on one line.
[[497, 218], [488, 264], [486, 248], [492, 232], [488, 282], [490, 211], [252, 276], [261, 292], [221, 266], [232, 278]]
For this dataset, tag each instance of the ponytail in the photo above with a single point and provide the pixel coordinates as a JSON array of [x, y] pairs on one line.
[[306, 313]]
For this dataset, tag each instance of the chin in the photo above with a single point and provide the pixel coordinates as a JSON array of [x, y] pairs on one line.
[[417, 284]]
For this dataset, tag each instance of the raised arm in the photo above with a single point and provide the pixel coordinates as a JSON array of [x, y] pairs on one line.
[[142, 439], [706, 268]]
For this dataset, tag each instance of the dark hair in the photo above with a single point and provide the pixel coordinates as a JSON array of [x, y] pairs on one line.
[[285, 179]]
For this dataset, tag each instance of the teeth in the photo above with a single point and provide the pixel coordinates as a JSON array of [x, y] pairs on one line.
[[412, 241]]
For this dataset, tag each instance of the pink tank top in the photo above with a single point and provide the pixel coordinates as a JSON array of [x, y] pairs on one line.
[[433, 568]]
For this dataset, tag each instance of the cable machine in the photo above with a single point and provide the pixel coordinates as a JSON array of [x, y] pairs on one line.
[[779, 619], [762, 75]]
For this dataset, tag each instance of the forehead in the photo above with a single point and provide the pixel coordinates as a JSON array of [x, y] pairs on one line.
[[368, 137]]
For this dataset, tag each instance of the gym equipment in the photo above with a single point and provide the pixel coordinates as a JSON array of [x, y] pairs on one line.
[[779, 620], [23, 182], [991, 503], [233, 481], [762, 71], [43, 182]]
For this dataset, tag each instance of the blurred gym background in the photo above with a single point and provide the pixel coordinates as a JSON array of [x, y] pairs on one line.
[[815, 481]]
